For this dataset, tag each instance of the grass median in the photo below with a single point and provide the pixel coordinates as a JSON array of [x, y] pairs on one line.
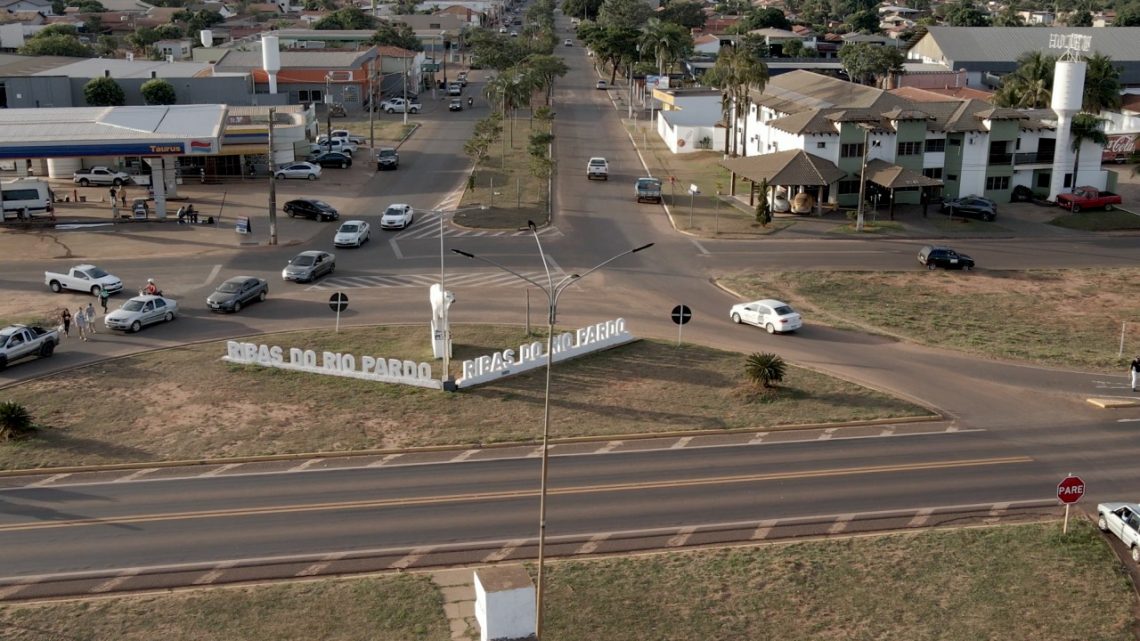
[[1069, 318], [1016, 583], [194, 405], [505, 184]]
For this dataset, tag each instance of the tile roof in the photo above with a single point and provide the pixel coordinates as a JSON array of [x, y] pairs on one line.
[[893, 176], [793, 167], [930, 94]]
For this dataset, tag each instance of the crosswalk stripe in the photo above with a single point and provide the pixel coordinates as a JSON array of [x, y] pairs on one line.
[[479, 279]]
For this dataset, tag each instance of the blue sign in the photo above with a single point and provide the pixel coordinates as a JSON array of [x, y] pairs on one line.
[[81, 149]]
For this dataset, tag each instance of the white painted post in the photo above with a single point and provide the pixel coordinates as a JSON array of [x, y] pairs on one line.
[[1120, 353]]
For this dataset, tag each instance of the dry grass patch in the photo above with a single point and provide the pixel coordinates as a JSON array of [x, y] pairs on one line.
[[201, 407], [508, 188], [1069, 318], [394, 608]]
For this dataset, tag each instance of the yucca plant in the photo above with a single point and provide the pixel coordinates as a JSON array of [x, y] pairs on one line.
[[15, 421], [765, 369]]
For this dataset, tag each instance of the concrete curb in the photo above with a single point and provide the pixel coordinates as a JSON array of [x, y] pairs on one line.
[[1113, 403]]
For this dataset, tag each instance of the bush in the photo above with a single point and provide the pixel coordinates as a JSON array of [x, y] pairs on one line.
[[15, 421], [765, 369]]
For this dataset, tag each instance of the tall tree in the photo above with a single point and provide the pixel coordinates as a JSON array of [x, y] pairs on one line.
[[1082, 18], [104, 92], [1127, 15], [1086, 127], [864, 22], [56, 45], [666, 42], [762, 18], [396, 34], [544, 69], [964, 14], [1031, 86], [198, 20], [346, 18], [870, 63], [584, 9], [624, 14], [158, 91], [687, 13], [1008, 17], [1102, 84], [736, 74]]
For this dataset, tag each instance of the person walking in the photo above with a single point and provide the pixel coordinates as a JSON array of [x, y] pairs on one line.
[[104, 295], [91, 318], [1134, 369], [81, 323], [65, 317], [123, 195]]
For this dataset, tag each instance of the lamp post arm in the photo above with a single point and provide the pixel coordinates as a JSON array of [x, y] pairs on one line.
[[502, 267], [541, 254]]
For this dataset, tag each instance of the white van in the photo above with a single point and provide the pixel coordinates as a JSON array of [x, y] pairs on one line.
[[25, 194]]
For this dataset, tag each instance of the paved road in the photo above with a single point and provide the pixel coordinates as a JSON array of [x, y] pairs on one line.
[[1022, 427]]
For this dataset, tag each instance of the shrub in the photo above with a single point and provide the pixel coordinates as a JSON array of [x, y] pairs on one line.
[[765, 369], [15, 421]]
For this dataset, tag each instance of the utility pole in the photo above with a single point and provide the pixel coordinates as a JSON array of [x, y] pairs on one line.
[[272, 183], [371, 105], [863, 176], [406, 89]]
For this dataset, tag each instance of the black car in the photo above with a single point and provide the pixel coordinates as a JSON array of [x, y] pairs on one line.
[[331, 159], [944, 257], [307, 208], [971, 207], [387, 158]]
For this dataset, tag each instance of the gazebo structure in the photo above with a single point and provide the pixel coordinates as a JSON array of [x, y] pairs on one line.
[[893, 177], [793, 168]]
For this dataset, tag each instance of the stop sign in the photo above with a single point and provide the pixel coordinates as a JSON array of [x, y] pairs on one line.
[[1071, 489]]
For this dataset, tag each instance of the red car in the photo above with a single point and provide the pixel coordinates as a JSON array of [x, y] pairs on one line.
[[1088, 198]]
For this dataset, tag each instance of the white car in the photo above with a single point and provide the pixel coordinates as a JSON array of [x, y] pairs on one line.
[[772, 315], [1123, 520], [338, 144], [351, 137], [306, 170], [352, 233], [779, 204], [140, 311], [398, 216], [568, 43]]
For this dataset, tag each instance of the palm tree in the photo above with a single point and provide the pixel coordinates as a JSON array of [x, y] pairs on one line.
[[1085, 127], [1009, 17], [1031, 86], [1102, 85], [667, 41], [765, 369], [736, 74]]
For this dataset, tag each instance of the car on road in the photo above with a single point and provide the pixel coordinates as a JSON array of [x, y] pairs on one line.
[[352, 233], [237, 292], [331, 159], [971, 207], [455, 89], [503, 30], [1122, 520], [394, 105], [773, 315], [397, 216], [514, 34], [309, 266], [601, 84], [648, 189], [597, 167], [323, 144], [387, 158], [309, 208], [83, 278], [141, 311], [23, 341], [456, 104], [462, 78], [567, 43], [351, 137], [304, 170], [935, 256]]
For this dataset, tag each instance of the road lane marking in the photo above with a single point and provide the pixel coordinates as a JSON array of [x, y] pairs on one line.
[[840, 524], [592, 545], [516, 494], [463, 456], [608, 447], [763, 529], [321, 566], [395, 248], [505, 551], [384, 461], [995, 512], [758, 438], [213, 274], [681, 538], [134, 475], [214, 574], [827, 434], [921, 517], [681, 442], [411, 557], [1127, 420], [306, 465], [112, 583], [888, 431], [221, 468], [700, 247], [49, 480]]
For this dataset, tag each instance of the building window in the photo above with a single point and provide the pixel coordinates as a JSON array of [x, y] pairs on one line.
[[1043, 180], [821, 145], [933, 172], [910, 148], [848, 187], [935, 145], [306, 95], [851, 150], [997, 183], [951, 177], [1068, 180], [955, 142]]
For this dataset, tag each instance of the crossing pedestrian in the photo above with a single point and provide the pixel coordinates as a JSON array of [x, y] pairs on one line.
[[65, 321], [91, 318], [1134, 370], [81, 323], [104, 295]]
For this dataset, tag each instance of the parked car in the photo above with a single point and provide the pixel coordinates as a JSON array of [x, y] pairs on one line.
[[1123, 520], [933, 256], [351, 137], [308, 266], [336, 144], [308, 208], [971, 207], [306, 170], [601, 84], [387, 158], [397, 216], [100, 176], [140, 311], [83, 278], [1088, 198], [23, 341], [331, 159], [394, 105], [779, 203], [352, 233], [773, 315], [456, 104], [237, 292]]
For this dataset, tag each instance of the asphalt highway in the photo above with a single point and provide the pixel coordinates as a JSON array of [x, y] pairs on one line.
[[1011, 431]]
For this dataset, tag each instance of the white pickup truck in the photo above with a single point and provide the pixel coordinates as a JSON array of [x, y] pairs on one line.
[[1123, 520], [83, 278], [21, 341], [100, 176], [399, 105], [597, 168]]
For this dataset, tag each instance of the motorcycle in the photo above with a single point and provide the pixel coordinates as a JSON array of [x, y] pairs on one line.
[[143, 292], [470, 102]]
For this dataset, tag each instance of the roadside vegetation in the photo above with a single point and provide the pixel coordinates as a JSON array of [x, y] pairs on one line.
[[1016, 583], [641, 388], [1098, 220], [1069, 318]]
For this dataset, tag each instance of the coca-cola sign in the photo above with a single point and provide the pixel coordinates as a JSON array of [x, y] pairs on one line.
[[1121, 144]]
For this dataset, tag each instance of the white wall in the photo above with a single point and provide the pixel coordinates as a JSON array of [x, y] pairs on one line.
[[504, 614], [975, 157], [11, 36]]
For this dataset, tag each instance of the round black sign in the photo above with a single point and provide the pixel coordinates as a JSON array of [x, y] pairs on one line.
[[338, 302], [681, 314]]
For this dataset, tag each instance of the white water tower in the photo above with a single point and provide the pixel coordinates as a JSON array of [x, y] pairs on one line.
[[1068, 94], [271, 60], [207, 37]]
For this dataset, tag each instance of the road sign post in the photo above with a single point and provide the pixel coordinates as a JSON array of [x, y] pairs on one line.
[[681, 314], [693, 191], [338, 302], [1069, 491]]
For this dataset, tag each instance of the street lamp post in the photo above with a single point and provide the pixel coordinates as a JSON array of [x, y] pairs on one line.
[[446, 330], [553, 291]]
